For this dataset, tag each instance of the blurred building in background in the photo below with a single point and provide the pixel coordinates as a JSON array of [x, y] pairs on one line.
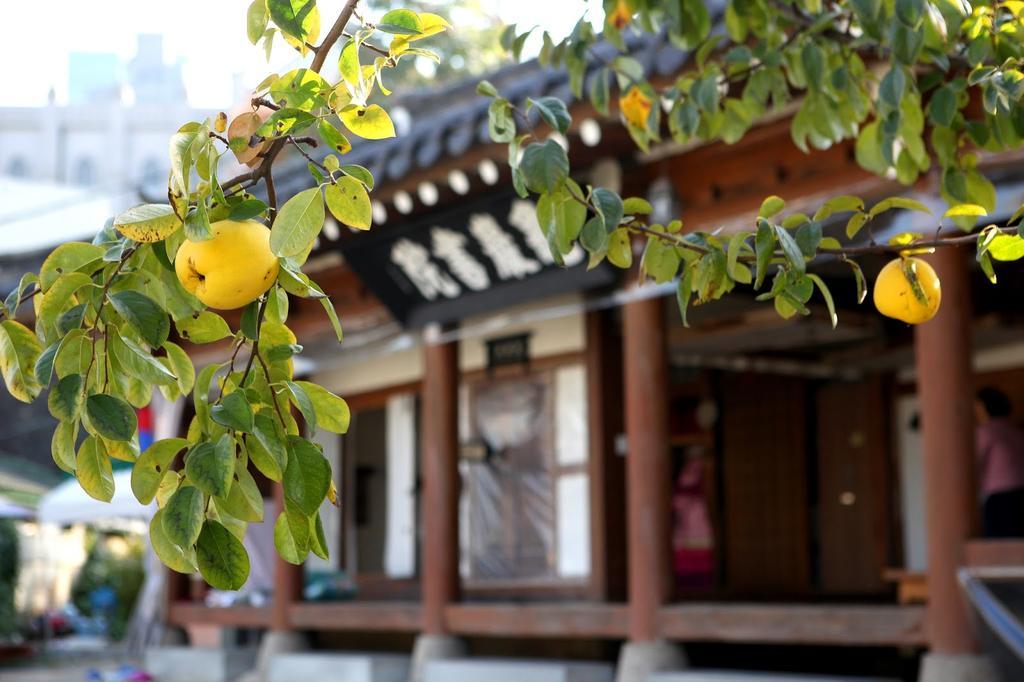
[[544, 462]]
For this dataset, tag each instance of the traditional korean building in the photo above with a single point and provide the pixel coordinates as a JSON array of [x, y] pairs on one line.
[[544, 463]]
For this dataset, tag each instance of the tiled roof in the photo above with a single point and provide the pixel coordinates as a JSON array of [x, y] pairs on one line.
[[450, 121]]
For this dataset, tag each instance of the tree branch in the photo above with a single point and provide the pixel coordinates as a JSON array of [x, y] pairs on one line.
[[319, 57]]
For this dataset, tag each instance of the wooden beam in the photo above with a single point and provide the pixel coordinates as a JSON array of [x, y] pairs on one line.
[[358, 616], [946, 391], [1008, 552], [817, 624], [188, 613], [440, 502], [603, 621]]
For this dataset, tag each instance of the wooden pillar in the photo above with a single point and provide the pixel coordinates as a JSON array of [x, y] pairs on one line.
[[946, 393], [440, 501], [645, 368], [287, 580]]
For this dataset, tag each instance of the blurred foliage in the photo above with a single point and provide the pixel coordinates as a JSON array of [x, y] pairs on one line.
[[10, 556], [114, 561]]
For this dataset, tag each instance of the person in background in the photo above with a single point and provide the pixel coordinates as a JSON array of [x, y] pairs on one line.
[[1000, 453]]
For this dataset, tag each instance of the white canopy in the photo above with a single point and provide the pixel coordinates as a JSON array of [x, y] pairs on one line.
[[68, 503]]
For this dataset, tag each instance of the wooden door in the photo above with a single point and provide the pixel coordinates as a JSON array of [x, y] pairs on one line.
[[853, 485], [764, 480]]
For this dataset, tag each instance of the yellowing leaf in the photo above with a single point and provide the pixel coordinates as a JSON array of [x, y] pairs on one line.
[[371, 123], [349, 202], [965, 210], [621, 15], [636, 107]]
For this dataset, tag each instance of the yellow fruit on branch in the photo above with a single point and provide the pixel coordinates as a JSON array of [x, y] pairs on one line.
[[230, 270], [908, 289]]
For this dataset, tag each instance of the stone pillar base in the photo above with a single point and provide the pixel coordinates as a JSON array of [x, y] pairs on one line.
[[275, 642], [638, 660], [433, 648], [957, 668]]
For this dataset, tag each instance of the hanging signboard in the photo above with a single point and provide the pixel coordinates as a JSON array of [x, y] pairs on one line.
[[473, 259]]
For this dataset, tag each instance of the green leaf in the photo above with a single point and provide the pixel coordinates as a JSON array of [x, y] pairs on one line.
[[210, 467], [147, 222], [172, 556], [137, 362], [183, 516], [684, 292], [113, 418], [361, 174], [1007, 247], [813, 63], [333, 138], [297, 224], [553, 111], [317, 538], [349, 203], [942, 106], [204, 327], [544, 165], [247, 210], [44, 363], [964, 210], [501, 126], [401, 22], [69, 257], [307, 477], [181, 366], [291, 535], [620, 249], [839, 204], [255, 23], [771, 206], [92, 469], [55, 300], [62, 446], [764, 248], [898, 202], [827, 295], [11, 302], [892, 87], [855, 223], [637, 206], [332, 413], [609, 206], [371, 123], [792, 250], [862, 284], [304, 403], [266, 447], [561, 218], [808, 238], [294, 17], [234, 412], [223, 561], [71, 319], [19, 352], [65, 400], [148, 319], [486, 89], [152, 465], [244, 501]]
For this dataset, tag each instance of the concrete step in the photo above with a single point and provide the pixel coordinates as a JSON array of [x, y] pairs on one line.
[[507, 670], [349, 667], [744, 676], [198, 664]]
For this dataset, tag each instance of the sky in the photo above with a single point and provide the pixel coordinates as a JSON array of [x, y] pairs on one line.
[[208, 36]]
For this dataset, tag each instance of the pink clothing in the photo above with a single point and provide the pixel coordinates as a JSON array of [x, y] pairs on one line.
[[1000, 451]]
